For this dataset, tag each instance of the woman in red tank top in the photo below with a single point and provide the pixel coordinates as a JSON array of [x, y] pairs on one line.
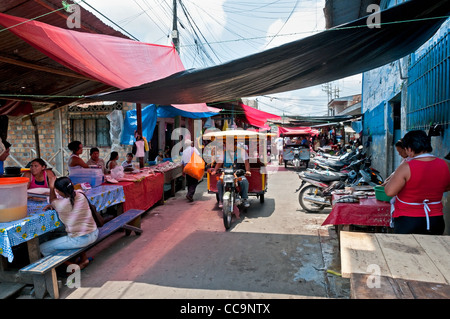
[[418, 186]]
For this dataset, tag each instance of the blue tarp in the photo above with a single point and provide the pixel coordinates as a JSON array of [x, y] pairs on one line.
[[150, 114], [170, 111]]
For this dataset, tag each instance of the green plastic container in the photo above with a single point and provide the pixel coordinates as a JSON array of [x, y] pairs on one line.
[[380, 194]]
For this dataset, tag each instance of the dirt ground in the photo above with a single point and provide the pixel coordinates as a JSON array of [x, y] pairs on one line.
[[274, 250]]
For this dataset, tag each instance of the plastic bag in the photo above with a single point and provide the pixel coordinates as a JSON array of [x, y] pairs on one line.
[[117, 172], [116, 127], [196, 166]]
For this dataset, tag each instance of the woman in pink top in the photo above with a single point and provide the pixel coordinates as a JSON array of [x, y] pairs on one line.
[[38, 175], [418, 186], [74, 211]]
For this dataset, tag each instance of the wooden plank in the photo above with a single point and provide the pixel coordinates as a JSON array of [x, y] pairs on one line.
[[427, 290], [438, 249], [359, 252], [8, 289], [407, 259], [385, 288], [34, 252], [51, 283]]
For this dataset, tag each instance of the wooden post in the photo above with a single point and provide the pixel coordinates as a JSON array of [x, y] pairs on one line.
[[36, 136], [139, 128]]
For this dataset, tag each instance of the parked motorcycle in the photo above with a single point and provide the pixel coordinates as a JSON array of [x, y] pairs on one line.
[[231, 198], [317, 195]]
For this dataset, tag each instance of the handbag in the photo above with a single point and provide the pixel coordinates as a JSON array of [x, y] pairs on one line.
[[196, 166], [95, 214]]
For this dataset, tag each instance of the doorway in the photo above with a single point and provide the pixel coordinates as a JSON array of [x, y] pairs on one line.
[[396, 109]]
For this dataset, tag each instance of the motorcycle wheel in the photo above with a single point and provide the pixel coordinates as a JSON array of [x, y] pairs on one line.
[[310, 190], [227, 211]]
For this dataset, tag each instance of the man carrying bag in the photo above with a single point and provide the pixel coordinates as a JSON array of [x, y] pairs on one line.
[[194, 168]]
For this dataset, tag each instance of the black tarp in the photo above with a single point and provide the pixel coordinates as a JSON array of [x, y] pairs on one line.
[[336, 53]]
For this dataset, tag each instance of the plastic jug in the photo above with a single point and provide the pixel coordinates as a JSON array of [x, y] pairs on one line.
[[13, 198]]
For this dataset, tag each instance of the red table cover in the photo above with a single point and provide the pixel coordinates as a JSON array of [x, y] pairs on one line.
[[368, 212], [143, 194]]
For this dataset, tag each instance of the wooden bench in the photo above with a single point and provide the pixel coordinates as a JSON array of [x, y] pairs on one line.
[[44, 269]]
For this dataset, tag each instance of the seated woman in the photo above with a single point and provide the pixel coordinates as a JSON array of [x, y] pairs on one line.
[[418, 186], [112, 162], [38, 174], [74, 211], [75, 161], [95, 159]]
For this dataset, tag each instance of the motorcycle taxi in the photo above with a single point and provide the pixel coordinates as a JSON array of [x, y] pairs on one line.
[[247, 141], [294, 152]]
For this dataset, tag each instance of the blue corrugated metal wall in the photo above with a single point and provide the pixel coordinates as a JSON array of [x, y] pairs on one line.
[[429, 87]]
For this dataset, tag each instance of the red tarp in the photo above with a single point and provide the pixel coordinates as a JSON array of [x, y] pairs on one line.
[[143, 194], [369, 212], [297, 131], [115, 61], [258, 118]]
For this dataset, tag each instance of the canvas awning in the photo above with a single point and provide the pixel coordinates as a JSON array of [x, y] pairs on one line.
[[115, 61], [293, 131], [257, 118], [336, 53]]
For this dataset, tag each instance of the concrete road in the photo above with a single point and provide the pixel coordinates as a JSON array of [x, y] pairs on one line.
[[275, 250]]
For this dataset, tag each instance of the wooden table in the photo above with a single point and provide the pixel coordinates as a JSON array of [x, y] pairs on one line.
[[170, 177], [144, 193], [368, 212], [396, 266]]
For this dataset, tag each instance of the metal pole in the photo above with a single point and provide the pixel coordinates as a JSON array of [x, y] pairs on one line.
[[175, 37], [139, 128]]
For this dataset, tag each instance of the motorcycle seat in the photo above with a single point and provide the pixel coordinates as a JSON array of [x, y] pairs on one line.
[[322, 177]]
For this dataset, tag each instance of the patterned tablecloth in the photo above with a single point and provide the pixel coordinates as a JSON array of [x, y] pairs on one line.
[[39, 222]]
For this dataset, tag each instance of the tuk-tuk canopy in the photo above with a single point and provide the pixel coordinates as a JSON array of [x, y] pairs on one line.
[[296, 131]]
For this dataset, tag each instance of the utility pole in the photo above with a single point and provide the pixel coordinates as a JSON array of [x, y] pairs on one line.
[[175, 38], [327, 89], [176, 43]]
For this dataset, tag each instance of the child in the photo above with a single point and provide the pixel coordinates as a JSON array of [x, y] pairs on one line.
[[160, 157], [128, 161]]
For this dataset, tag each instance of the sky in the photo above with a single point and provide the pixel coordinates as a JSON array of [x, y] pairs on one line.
[[213, 32]]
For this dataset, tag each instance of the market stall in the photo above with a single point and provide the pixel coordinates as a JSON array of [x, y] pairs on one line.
[[367, 212], [142, 190]]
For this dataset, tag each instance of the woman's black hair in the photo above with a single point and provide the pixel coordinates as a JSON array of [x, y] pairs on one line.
[[112, 156], [418, 141], [74, 146], [40, 161], [399, 143], [65, 185]]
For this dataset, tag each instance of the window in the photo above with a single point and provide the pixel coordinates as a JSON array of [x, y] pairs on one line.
[[91, 132]]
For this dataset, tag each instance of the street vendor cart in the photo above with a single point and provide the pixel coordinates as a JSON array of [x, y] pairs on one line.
[[296, 151], [254, 144]]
